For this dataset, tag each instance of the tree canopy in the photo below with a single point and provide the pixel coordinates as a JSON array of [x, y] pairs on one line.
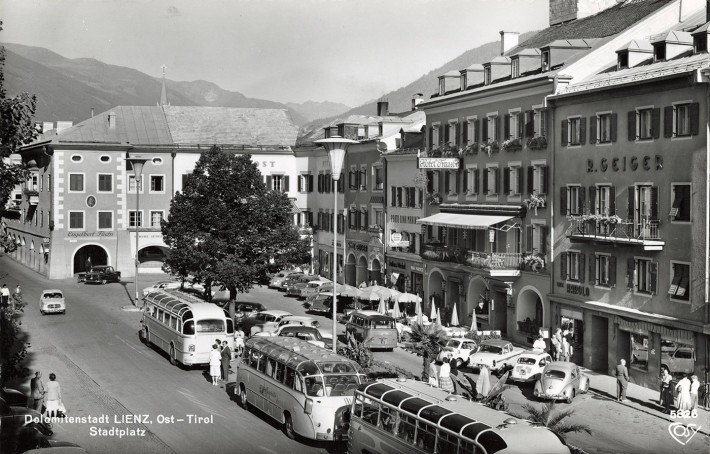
[[226, 228]]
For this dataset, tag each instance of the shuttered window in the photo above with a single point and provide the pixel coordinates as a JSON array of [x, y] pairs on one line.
[[680, 209], [679, 281]]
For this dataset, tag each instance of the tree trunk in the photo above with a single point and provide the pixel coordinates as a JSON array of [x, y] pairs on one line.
[[208, 290], [232, 301]]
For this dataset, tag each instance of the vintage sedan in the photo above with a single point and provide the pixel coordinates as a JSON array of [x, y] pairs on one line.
[[102, 274], [458, 350], [52, 302], [308, 333], [561, 380], [529, 366], [255, 324], [297, 285]]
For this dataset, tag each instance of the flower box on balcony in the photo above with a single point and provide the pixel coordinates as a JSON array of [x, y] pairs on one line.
[[470, 148], [434, 198], [533, 262], [537, 143], [512, 145], [491, 147], [534, 202]]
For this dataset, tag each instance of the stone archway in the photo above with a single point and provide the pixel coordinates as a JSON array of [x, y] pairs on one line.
[[151, 258], [477, 289], [434, 291], [529, 312], [95, 252], [361, 269], [351, 271], [376, 272]]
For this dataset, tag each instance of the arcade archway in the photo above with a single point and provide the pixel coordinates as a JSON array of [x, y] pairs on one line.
[[529, 312], [151, 258], [361, 269], [350, 271], [89, 255], [376, 272]]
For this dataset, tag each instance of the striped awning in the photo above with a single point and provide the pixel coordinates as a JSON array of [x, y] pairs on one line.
[[463, 221]]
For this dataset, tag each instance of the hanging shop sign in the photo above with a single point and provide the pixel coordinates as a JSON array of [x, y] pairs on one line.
[[439, 163]]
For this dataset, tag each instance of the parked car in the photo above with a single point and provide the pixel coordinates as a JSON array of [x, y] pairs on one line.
[[12, 421], [243, 310], [307, 333], [255, 324], [459, 350], [51, 302], [291, 279], [496, 354], [31, 439], [298, 284], [102, 274], [13, 397], [313, 288], [679, 361], [296, 320], [530, 366], [321, 305], [561, 380], [278, 280], [455, 331]]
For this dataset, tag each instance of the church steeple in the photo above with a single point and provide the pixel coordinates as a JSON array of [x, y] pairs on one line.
[[163, 91]]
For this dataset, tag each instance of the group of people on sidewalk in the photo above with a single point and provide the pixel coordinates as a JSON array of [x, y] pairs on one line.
[[220, 357], [47, 400]]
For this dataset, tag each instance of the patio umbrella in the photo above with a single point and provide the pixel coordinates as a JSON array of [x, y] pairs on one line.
[[347, 291], [483, 384], [454, 317], [368, 294], [396, 312], [388, 292], [438, 317], [407, 298], [432, 315], [382, 308], [420, 319], [474, 322]]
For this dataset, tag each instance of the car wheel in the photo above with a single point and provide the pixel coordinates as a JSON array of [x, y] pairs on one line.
[[243, 401], [42, 312], [146, 336], [173, 359], [288, 426], [459, 363], [103, 281], [586, 387], [570, 397]]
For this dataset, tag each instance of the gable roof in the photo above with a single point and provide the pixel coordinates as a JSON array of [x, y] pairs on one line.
[[187, 126]]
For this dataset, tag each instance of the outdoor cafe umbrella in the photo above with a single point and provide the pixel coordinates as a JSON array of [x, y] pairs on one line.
[[382, 308], [396, 312], [420, 319], [368, 294], [438, 317], [407, 298], [347, 291], [388, 292], [454, 317], [432, 316], [474, 323]]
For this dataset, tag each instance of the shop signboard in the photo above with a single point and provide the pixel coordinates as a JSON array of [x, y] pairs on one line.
[[439, 163]]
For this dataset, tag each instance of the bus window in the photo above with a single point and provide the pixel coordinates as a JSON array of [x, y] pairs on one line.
[[290, 380], [188, 327], [154, 311], [446, 443], [341, 385], [173, 322], [382, 324], [280, 372], [370, 412], [406, 429], [270, 367], [262, 363], [426, 437], [230, 326], [210, 326], [336, 367], [307, 368], [160, 315], [314, 386], [388, 419], [298, 383]]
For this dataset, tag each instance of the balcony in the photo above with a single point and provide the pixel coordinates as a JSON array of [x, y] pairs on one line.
[[496, 264], [32, 196], [610, 229]]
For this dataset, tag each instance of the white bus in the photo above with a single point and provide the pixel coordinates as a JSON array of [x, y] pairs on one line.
[[399, 416], [184, 326], [305, 387]]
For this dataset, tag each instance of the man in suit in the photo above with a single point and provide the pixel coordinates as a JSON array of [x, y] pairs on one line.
[[37, 390], [622, 380], [226, 358]]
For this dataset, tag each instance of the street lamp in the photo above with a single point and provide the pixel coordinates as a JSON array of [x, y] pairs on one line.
[[336, 148], [137, 162]]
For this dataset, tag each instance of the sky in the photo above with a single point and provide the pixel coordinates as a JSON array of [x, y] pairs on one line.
[[348, 51]]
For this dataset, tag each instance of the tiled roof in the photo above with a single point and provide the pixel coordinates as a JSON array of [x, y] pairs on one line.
[[641, 73], [528, 52], [608, 22], [673, 36], [451, 74], [639, 45], [176, 125]]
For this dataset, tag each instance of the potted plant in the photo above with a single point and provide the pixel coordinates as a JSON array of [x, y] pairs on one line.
[[538, 142], [471, 148], [533, 262], [512, 145], [534, 202], [451, 151], [491, 147], [434, 198]]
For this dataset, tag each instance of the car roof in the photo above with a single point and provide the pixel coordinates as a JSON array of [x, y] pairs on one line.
[[300, 328], [275, 313], [535, 354], [303, 318], [561, 365], [373, 315], [52, 290], [248, 303], [496, 342]]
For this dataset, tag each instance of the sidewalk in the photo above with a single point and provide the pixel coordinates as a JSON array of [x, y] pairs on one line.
[[640, 398]]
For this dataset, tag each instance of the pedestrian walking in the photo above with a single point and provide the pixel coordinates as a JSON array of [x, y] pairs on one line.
[[683, 389], [666, 399], [564, 354], [556, 344], [54, 396], [4, 295], [539, 344], [226, 359], [215, 364], [87, 264], [622, 380], [445, 381], [16, 297], [694, 388], [38, 392]]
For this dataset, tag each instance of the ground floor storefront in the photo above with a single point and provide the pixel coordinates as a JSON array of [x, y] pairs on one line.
[[603, 335], [365, 263]]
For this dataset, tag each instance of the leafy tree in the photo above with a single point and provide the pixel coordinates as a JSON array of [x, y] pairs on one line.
[[227, 229], [554, 421], [13, 351]]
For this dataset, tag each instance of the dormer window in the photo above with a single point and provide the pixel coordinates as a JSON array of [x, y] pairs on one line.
[[487, 75], [546, 61], [515, 68], [622, 60], [700, 43], [659, 52], [464, 81]]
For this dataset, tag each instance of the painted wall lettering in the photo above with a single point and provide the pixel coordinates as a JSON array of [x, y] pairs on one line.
[[647, 163]]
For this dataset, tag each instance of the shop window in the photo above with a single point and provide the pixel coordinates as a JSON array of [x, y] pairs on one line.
[[639, 351]]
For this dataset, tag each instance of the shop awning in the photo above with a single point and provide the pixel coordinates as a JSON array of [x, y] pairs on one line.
[[463, 221]]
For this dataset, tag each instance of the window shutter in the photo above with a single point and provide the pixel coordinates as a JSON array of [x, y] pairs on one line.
[[582, 130], [668, 121], [341, 183], [593, 262], [630, 272], [476, 181], [496, 174], [694, 118], [394, 196], [485, 182], [593, 129], [506, 127], [300, 183], [430, 181], [631, 124], [457, 175], [431, 138], [582, 265], [531, 179], [506, 180], [446, 181], [367, 219], [654, 203], [612, 200], [447, 128], [484, 128], [529, 123], [653, 280], [310, 183], [614, 119], [458, 134], [630, 206], [544, 179], [496, 122], [476, 131], [520, 180], [521, 123], [320, 182], [529, 238], [543, 239], [286, 183], [563, 201], [563, 132], [466, 176], [612, 271], [563, 266], [593, 200], [464, 134], [581, 200], [656, 122], [269, 185]]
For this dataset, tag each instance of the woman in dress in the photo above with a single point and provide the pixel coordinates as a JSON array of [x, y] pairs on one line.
[[53, 396], [445, 381], [433, 375], [683, 388], [239, 341], [215, 364], [666, 391]]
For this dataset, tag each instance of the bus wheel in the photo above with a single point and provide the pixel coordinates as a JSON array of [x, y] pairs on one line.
[[173, 360], [146, 336], [288, 426], [243, 397]]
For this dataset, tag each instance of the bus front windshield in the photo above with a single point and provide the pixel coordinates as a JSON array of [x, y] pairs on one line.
[[210, 326], [383, 324], [332, 385]]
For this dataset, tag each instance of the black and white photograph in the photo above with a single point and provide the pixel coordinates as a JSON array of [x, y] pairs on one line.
[[354, 227]]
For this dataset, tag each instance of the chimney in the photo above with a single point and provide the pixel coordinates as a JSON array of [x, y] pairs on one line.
[[112, 120], [508, 40], [62, 125], [417, 99], [47, 126], [382, 108]]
